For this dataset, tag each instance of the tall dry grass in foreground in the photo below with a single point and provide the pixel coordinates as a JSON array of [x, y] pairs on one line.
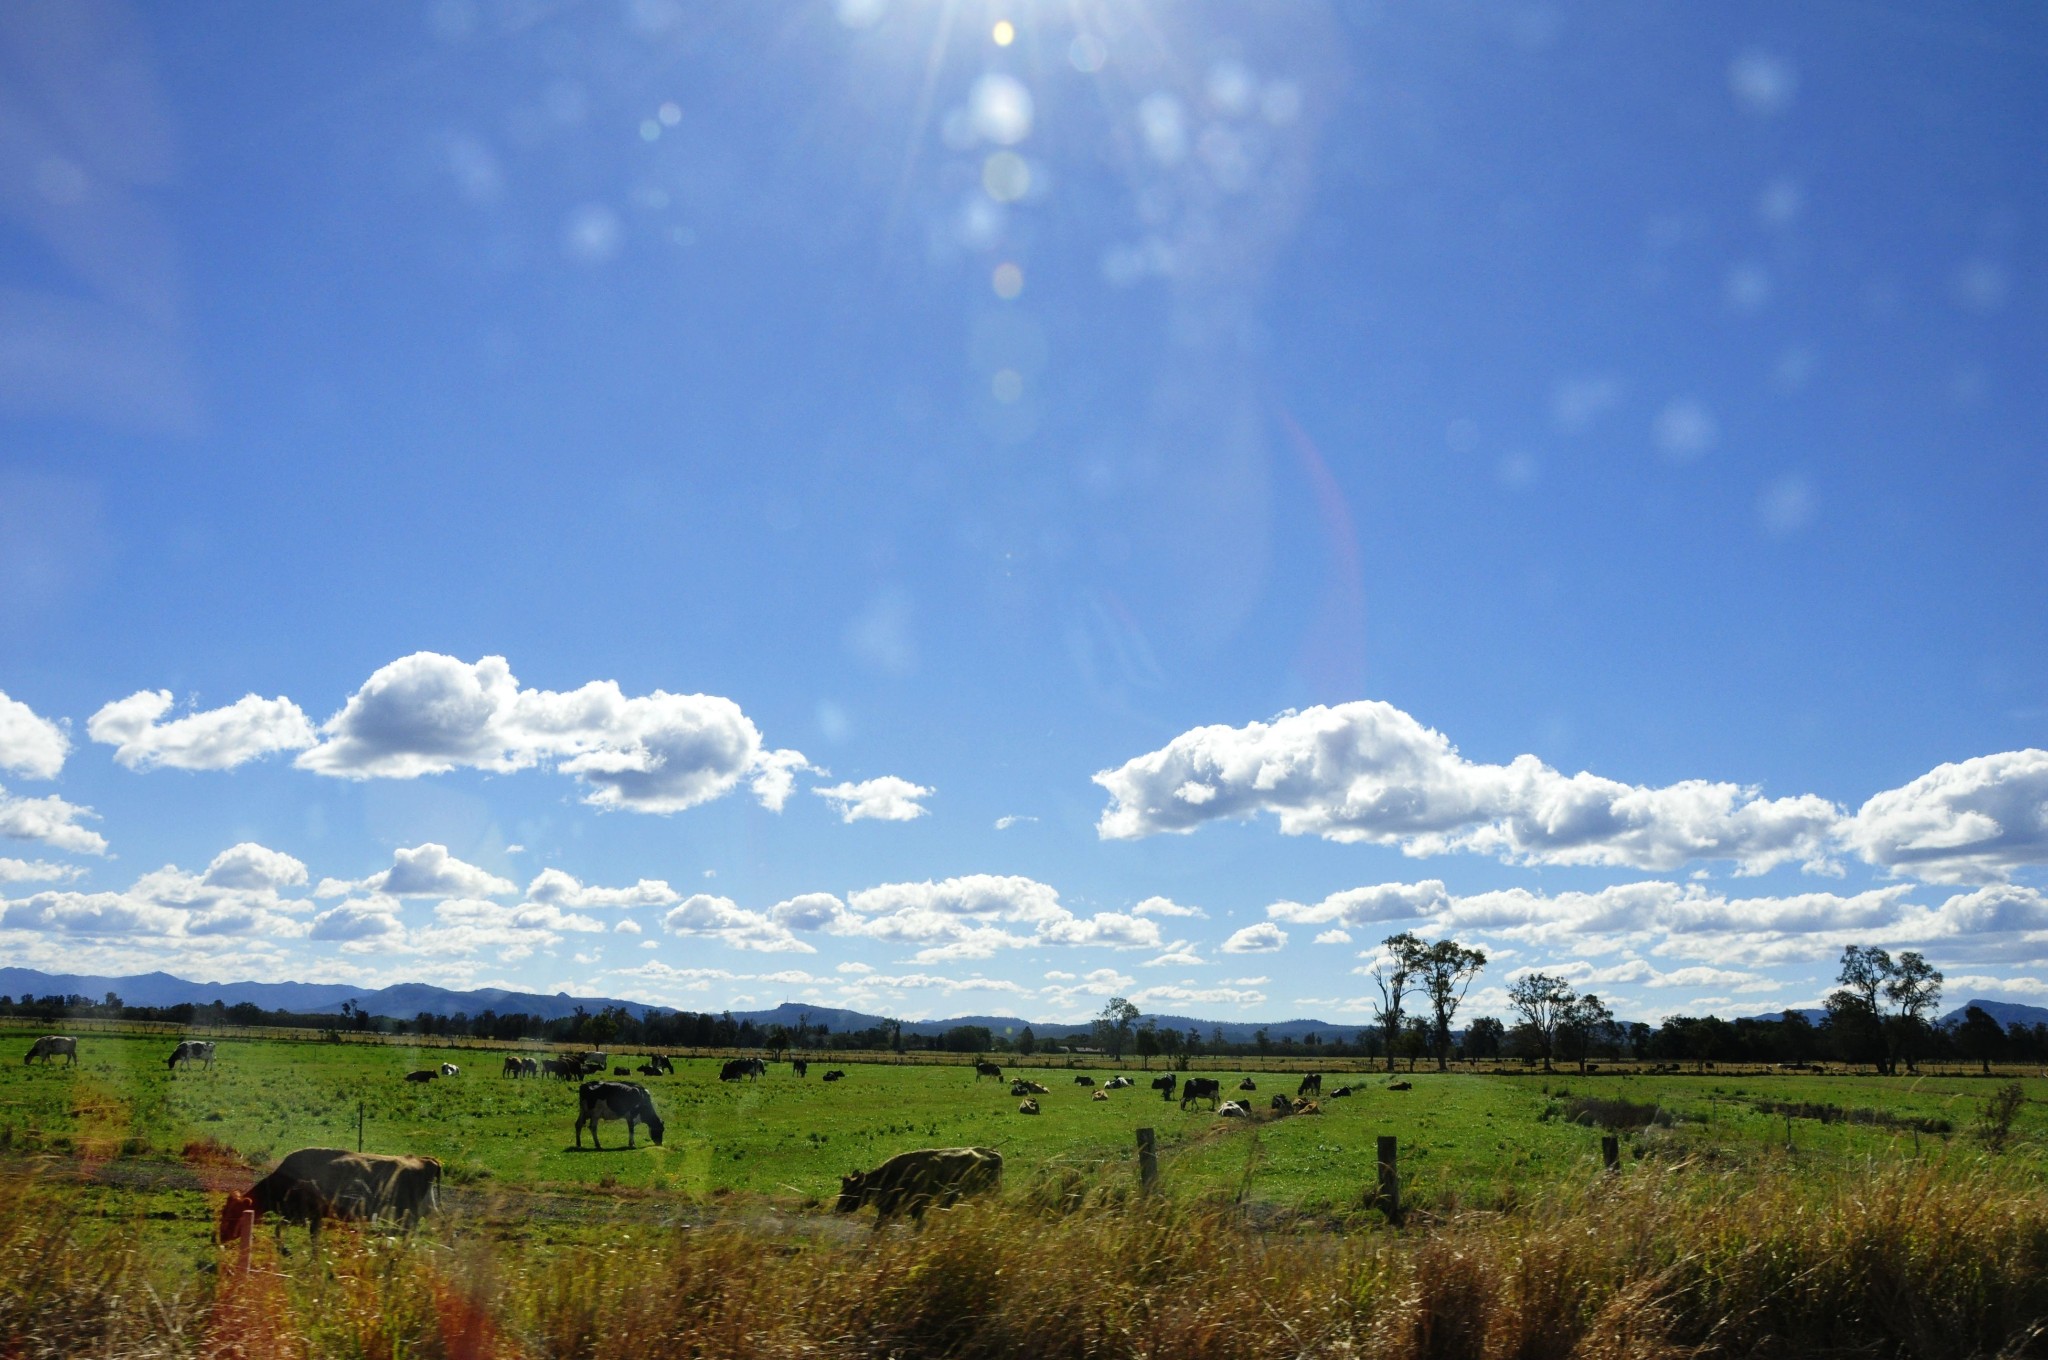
[[1916, 1260]]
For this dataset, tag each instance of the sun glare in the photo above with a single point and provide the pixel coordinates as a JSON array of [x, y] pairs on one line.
[[1004, 33]]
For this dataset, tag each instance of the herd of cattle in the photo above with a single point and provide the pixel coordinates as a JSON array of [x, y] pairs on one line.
[[313, 1184]]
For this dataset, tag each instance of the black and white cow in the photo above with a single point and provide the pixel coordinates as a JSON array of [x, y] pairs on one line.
[[191, 1051], [52, 1046], [1201, 1088], [625, 1100]]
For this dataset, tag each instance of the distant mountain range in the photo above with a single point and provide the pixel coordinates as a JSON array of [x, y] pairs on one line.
[[405, 1000], [2004, 1012]]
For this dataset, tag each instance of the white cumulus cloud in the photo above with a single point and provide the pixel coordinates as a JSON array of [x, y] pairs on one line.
[[722, 919], [967, 917], [217, 739], [1166, 906], [1368, 772], [660, 752], [52, 821], [1974, 821], [552, 887], [430, 871], [1365, 906], [31, 745], [1263, 938], [250, 867], [239, 894], [35, 871], [886, 799]]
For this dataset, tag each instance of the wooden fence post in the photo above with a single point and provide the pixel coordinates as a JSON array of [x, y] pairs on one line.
[[1390, 1179], [1148, 1162], [245, 1232], [1610, 1151], [359, 1126]]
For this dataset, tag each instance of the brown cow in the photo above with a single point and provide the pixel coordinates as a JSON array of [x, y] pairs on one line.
[[915, 1181], [320, 1183]]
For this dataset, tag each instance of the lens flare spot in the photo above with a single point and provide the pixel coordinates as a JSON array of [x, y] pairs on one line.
[[1004, 33], [670, 114], [649, 129], [1000, 109], [1087, 53], [1008, 280], [1006, 177], [1007, 385]]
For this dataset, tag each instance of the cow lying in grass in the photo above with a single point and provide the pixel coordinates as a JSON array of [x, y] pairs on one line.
[[1021, 1087], [915, 1181], [313, 1184]]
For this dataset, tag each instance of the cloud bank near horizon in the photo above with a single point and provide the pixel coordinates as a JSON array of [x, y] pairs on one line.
[[1366, 772]]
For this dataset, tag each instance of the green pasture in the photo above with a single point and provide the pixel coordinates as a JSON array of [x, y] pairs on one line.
[[1466, 1139]]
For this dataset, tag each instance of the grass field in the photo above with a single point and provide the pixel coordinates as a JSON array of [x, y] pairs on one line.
[[1860, 1238], [1466, 1140]]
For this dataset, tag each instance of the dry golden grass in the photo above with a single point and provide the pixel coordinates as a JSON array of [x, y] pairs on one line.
[[1936, 1260]]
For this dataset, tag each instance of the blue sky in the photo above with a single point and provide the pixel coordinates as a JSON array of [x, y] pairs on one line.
[[698, 493]]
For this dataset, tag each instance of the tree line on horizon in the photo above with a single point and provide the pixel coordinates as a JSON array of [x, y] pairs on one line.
[[1882, 1014]]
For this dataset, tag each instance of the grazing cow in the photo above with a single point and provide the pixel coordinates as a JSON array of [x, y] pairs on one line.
[[799, 1067], [615, 1100], [593, 1063], [450, 1070], [660, 1063], [1100, 1095], [1199, 1088], [1312, 1082], [51, 1046], [316, 1183], [987, 1069], [1340, 1091], [743, 1067], [1234, 1109], [1247, 1085], [1164, 1085], [424, 1074], [1027, 1106], [835, 1075], [916, 1181], [1400, 1086], [1117, 1083], [567, 1069], [191, 1051], [1084, 1081]]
